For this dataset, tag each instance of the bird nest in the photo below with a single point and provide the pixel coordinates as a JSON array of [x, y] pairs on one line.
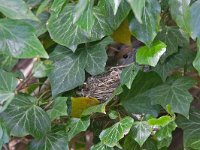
[[103, 85]]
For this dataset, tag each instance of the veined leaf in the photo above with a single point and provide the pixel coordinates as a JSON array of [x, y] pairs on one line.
[[195, 19], [7, 62], [101, 146], [59, 108], [69, 68], [180, 12], [176, 94], [150, 55], [196, 62], [79, 9], [16, 9], [134, 100], [20, 44], [147, 31], [137, 7], [140, 131], [8, 83], [191, 128], [173, 38], [4, 135], [115, 5], [76, 125], [64, 32], [128, 75], [23, 117], [50, 141], [112, 135]]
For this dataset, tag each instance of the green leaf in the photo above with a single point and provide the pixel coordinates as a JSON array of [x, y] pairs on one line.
[[7, 88], [162, 121], [179, 60], [79, 9], [23, 117], [63, 31], [150, 55], [174, 93], [195, 19], [131, 144], [173, 38], [113, 134], [18, 40], [140, 131], [4, 135], [101, 146], [164, 135], [87, 20], [76, 125], [101, 108], [147, 31], [57, 6], [16, 9], [7, 62], [134, 100], [191, 129], [180, 12], [128, 75], [71, 66], [137, 7], [196, 62], [115, 5], [50, 141], [59, 108], [42, 68]]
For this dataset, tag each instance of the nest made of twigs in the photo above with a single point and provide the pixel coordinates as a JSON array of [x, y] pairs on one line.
[[103, 85]]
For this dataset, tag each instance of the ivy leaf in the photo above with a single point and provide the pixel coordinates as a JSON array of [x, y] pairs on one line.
[[147, 31], [134, 100], [191, 129], [7, 88], [140, 131], [180, 12], [173, 38], [195, 19], [59, 108], [79, 9], [50, 141], [16, 9], [137, 7], [69, 66], [76, 125], [4, 135], [196, 62], [176, 94], [42, 68], [63, 31], [131, 144], [115, 5], [128, 75], [113, 134], [101, 108], [101, 146], [19, 44], [23, 117], [164, 135], [7, 62], [176, 61], [87, 19], [150, 55], [162, 121]]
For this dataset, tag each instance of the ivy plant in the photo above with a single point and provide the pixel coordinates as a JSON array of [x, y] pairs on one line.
[[66, 43]]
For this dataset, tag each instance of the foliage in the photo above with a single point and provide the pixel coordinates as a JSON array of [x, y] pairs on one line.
[[67, 41]]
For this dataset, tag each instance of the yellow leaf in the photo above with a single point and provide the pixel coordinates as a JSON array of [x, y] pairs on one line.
[[79, 104], [123, 34]]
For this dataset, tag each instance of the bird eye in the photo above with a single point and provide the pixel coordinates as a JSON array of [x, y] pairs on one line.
[[125, 56]]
